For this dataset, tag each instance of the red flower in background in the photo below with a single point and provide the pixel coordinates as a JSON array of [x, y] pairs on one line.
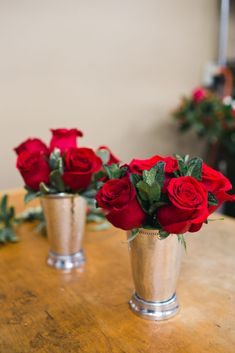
[[188, 207], [199, 94], [80, 164], [64, 139], [113, 159], [32, 145], [137, 166], [34, 169], [118, 198]]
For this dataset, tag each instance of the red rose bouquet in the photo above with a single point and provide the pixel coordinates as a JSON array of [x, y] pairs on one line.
[[61, 167], [174, 195]]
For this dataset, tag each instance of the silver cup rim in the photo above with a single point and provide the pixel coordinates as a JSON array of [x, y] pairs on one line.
[[62, 195]]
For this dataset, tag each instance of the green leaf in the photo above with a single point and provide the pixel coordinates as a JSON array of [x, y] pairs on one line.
[[56, 161], [195, 168], [56, 180], [4, 204], [135, 178], [182, 168], [212, 200], [104, 155], [149, 176], [163, 234], [181, 239], [30, 195], [160, 174], [113, 171], [155, 192], [144, 190], [134, 233]]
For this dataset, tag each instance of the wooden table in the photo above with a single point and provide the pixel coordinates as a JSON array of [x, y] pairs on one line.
[[45, 310]]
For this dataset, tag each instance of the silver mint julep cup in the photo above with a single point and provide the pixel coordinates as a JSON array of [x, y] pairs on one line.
[[155, 267], [65, 216]]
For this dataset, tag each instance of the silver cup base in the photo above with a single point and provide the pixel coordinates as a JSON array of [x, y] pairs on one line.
[[159, 310], [66, 262]]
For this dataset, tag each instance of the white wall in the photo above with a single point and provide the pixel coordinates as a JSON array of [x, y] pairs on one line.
[[113, 68]]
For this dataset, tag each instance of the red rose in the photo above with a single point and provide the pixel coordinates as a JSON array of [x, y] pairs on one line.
[[112, 159], [64, 139], [31, 146], [218, 184], [80, 164], [137, 166], [199, 94], [33, 168], [118, 198], [188, 208]]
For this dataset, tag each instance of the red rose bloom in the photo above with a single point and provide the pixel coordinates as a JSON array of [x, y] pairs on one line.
[[31, 146], [118, 198], [33, 168], [199, 94], [112, 159], [218, 184], [64, 139], [80, 165], [188, 208], [137, 166]]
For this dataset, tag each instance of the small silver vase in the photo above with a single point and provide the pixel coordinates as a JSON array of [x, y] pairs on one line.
[[155, 267], [65, 216]]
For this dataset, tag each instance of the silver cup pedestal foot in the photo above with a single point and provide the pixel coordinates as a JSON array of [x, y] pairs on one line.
[[66, 262], [156, 311]]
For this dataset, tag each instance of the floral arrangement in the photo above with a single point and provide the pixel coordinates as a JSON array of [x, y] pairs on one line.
[[208, 115], [172, 194], [61, 167]]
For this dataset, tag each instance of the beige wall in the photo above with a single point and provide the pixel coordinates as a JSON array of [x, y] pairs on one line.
[[113, 68]]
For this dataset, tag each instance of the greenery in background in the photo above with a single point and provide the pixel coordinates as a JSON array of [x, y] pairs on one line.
[[7, 214], [211, 117]]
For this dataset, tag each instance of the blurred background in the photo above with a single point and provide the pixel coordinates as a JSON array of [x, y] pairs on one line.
[[114, 69]]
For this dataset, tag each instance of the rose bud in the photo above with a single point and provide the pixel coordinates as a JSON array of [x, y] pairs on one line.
[[32, 145], [33, 168], [118, 199], [80, 164], [188, 207], [137, 166], [64, 139]]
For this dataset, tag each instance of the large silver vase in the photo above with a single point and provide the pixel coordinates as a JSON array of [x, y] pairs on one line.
[[155, 267], [65, 216]]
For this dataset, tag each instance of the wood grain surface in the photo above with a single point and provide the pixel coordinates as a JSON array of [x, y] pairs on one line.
[[44, 310]]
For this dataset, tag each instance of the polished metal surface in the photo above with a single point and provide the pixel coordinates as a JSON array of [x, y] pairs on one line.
[[155, 267], [65, 216], [66, 262], [154, 310]]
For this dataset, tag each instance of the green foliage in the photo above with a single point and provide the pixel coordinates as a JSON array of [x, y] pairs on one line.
[[181, 239], [149, 187], [195, 168], [113, 171], [163, 234], [104, 155], [134, 233], [212, 200], [56, 180], [189, 167], [56, 161], [7, 233]]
